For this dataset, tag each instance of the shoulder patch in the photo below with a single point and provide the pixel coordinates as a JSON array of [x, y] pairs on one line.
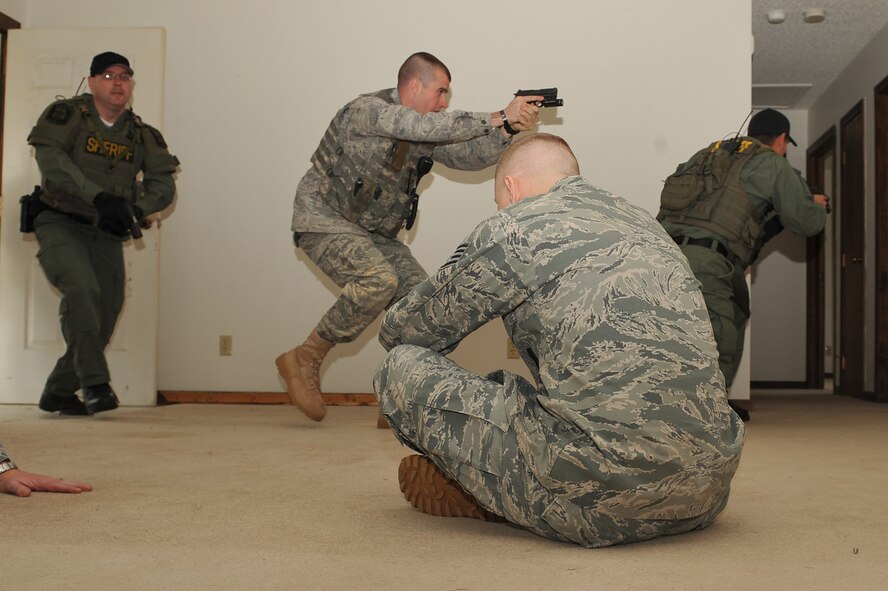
[[457, 254], [60, 113], [157, 137]]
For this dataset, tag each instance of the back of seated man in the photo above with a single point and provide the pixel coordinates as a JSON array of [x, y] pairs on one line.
[[626, 433]]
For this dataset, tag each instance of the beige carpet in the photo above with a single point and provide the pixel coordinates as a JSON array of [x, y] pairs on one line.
[[258, 497]]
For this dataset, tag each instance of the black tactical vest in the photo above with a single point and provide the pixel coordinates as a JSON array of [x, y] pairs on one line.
[[109, 157], [706, 192]]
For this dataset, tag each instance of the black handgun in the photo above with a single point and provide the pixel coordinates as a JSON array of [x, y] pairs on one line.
[[815, 190], [423, 166], [135, 230], [31, 207], [550, 96]]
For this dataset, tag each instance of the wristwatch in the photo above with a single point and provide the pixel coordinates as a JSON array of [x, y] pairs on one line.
[[7, 465]]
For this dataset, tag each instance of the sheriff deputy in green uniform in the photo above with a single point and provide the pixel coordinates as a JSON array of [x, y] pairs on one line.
[[722, 205], [90, 150]]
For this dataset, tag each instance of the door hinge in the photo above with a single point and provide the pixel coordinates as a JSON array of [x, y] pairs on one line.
[[844, 363]]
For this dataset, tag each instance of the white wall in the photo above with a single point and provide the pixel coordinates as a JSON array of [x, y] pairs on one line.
[[16, 9], [857, 82], [250, 88], [778, 321]]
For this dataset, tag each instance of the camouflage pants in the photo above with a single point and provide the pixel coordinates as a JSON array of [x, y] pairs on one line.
[[727, 299], [373, 272], [465, 424]]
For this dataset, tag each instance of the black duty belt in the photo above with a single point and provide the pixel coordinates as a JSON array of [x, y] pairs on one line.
[[710, 243], [77, 218]]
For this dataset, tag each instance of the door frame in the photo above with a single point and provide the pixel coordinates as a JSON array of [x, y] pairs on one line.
[[880, 123], [816, 263], [6, 24]]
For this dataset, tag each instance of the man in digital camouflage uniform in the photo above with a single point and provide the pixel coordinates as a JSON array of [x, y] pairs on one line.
[[361, 190], [626, 433], [90, 150], [722, 205], [15, 481]]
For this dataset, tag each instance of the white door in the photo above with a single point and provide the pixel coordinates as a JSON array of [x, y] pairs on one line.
[[41, 65]]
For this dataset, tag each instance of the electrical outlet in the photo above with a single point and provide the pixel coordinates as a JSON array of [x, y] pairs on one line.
[[226, 343], [511, 351]]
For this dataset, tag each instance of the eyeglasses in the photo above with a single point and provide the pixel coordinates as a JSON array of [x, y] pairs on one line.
[[113, 76]]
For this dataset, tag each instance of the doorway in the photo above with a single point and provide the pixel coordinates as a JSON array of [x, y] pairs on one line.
[[821, 290], [852, 247], [42, 64]]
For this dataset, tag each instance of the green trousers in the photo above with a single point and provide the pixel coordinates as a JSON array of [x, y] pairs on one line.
[[86, 265], [724, 288]]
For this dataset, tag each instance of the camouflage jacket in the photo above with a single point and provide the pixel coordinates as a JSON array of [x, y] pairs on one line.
[[367, 128], [3, 455], [630, 416]]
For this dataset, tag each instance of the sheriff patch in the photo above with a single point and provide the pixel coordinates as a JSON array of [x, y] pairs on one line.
[[113, 150]]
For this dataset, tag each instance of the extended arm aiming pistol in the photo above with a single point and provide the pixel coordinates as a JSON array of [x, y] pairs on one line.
[[550, 96]]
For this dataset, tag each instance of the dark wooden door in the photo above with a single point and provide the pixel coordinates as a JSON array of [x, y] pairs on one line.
[[852, 248]]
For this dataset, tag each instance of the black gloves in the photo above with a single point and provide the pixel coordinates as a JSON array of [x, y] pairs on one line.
[[115, 216]]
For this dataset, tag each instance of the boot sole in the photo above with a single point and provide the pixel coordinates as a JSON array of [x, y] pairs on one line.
[[64, 407], [430, 491], [103, 404]]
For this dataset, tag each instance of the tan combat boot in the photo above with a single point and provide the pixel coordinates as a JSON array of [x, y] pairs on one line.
[[433, 492], [299, 367]]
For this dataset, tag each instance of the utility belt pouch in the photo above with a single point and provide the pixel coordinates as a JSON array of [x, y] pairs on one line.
[[32, 206]]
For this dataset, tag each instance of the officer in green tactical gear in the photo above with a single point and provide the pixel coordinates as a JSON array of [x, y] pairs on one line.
[[361, 191], [91, 151], [722, 205]]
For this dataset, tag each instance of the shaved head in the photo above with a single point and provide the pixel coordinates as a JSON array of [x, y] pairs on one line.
[[424, 83], [421, 66], [531, 165]]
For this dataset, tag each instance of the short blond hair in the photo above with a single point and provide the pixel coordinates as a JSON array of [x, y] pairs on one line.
[[539, 153]]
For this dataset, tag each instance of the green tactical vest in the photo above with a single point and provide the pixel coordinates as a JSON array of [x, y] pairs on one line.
[[109, 158], [370, 187], [706, 192]]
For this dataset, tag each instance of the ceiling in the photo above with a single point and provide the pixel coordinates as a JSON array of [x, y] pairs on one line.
[[794, 62]]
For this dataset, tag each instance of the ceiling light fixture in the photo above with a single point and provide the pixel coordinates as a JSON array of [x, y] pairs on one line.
[[814, 15], [775, 17]]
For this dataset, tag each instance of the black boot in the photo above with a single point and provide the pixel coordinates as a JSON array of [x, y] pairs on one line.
[[99, 398], [66, 405]]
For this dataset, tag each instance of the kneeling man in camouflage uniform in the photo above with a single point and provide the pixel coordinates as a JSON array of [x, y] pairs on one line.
[[626, 433]]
